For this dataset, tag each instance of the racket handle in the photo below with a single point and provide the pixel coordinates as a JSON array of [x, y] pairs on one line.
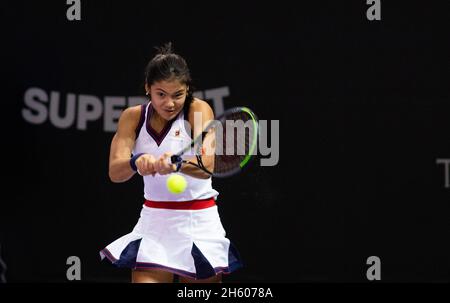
[[176, 159]]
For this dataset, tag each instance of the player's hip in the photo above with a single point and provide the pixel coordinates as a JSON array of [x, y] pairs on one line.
[[156, 190], [154, 220]]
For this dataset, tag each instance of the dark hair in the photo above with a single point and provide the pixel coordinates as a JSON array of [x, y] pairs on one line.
[[167, 65]]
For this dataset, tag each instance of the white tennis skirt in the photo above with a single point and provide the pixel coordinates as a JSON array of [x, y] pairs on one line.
[[187, 242]]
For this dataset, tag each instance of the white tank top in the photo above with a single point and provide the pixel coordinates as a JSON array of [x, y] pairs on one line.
[[172, 138]]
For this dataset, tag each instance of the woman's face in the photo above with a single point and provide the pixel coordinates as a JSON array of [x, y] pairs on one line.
[[167, 97]]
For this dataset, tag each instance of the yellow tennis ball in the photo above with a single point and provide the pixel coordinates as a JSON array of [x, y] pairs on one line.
[[176, 184]]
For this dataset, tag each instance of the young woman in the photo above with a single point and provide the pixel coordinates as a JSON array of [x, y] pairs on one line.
[[176, 233]]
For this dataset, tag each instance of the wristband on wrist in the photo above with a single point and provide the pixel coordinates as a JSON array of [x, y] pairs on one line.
[[133, 161]]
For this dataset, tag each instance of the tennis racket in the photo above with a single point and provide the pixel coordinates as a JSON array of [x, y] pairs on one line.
[[234, 144]]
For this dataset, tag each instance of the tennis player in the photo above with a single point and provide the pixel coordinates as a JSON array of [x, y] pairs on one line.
[[176, 234]]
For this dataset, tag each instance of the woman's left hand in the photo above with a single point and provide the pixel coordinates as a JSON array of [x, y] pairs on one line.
[[163, 166]]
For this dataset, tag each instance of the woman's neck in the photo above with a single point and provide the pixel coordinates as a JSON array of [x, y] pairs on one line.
[[157, 122]]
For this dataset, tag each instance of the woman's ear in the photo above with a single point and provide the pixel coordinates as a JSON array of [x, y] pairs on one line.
[[147, 90]]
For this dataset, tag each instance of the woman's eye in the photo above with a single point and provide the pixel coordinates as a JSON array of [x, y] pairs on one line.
[[161, 94]]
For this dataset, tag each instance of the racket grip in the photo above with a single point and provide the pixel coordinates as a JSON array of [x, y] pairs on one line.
[[176, 159]]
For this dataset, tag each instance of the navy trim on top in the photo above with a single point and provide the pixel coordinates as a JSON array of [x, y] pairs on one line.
[[158, 137], [141, 120]]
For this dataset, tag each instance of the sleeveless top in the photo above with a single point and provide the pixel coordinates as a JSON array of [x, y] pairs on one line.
[[172, 138]]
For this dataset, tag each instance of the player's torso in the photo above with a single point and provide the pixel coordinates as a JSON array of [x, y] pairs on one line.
[[172, 138]]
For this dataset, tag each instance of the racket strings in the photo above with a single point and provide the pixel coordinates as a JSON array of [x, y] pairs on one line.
[[236, 146]]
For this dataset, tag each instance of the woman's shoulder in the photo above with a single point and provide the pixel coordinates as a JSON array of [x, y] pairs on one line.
[[131, 116], [199, 105], [132, 112]]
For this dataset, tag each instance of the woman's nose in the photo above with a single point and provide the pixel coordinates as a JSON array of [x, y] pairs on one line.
[[170, 102]]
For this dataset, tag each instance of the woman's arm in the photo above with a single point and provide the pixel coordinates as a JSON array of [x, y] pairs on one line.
[[122, 146], [163, 166], [208, 153], [207, 115]]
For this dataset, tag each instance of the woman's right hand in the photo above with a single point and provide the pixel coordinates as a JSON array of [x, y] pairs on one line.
[[145, 165]]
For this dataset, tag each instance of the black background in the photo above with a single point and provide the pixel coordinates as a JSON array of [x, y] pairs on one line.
[[363, 108]]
